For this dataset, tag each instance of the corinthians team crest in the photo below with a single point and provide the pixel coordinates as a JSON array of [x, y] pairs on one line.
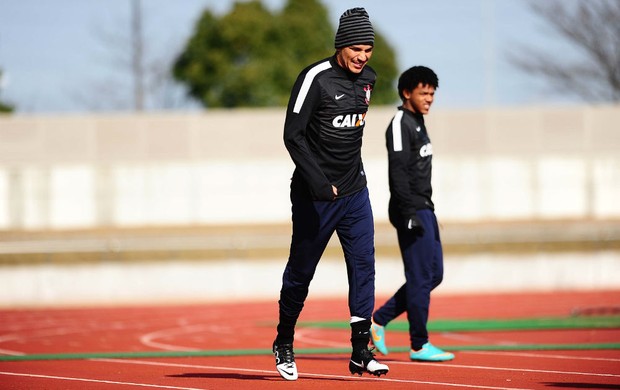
[[368, 90]]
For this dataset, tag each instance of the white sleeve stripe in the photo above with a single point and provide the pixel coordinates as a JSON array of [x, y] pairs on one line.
[[305, 86], [397, 137]]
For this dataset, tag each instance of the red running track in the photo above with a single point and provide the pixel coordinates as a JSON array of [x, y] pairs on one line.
[[249, 327]]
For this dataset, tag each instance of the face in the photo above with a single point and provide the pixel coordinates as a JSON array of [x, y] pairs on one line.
[[354, 58], [420, 99]]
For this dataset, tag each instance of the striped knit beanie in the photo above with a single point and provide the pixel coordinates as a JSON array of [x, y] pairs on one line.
[[354, 29]]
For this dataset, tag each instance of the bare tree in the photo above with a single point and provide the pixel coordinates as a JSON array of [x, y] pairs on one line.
[[592, 26], [120, 83], [137, 57], [133, 77]]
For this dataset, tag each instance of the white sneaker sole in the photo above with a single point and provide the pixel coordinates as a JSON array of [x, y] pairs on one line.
[[373, 368], [288, 372]]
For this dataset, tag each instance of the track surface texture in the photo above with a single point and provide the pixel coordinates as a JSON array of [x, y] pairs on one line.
[[552, 340]]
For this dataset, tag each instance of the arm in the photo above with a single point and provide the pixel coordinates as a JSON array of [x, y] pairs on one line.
[[398, 141], [304, 100]]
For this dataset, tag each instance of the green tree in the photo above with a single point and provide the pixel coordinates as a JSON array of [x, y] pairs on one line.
[[383, 61], [250, 57], [4, 107], [306, 37]]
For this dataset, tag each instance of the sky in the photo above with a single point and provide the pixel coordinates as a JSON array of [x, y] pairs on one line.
[[58, 56]]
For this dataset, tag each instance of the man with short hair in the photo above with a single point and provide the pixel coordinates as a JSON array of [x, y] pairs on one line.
[[412, 213], [323, 131]]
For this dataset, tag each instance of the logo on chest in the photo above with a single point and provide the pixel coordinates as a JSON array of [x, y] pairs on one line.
[[349, 120], [426, 150], [368, 90]]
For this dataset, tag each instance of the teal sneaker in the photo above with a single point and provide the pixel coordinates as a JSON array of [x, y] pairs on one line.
[[430, 353], [377, 336]]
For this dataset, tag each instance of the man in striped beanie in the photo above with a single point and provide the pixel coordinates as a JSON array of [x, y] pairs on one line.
[[323, 130], [354, 29]]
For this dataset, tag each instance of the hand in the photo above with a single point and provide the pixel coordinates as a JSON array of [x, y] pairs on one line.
[[326, 194], [414, 225]]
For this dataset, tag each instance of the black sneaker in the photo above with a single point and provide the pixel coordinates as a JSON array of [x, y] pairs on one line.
[[285, 361], [364, 361]]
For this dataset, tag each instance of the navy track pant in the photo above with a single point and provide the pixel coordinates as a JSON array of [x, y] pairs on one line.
[[314, 223], [423, 260]]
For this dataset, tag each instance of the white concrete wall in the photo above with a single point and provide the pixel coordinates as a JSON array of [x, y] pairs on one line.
[[113, 283], [230, 166]]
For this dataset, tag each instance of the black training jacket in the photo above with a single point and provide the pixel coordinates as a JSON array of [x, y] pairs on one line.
[[410, 156], [324, 126]]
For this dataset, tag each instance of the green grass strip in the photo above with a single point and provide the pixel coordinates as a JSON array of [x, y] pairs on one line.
[[525, 347], [301, 351], [551, 323]]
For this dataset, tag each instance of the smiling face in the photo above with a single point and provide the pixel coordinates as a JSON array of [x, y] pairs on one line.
[[420, 99], [354, 58]]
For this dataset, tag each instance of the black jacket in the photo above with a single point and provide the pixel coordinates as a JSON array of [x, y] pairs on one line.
[[410, 156], [324, 126]]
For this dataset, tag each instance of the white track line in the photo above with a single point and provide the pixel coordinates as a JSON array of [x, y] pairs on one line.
[[451, 365], [304, 374], [63, 331], [68, 378], [541, 355], [150, 339], [10, 353]]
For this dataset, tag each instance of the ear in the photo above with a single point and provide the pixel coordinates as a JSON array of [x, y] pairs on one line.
[[407, 93]]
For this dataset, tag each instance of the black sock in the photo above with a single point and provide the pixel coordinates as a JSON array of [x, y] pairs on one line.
[[360, 335]]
